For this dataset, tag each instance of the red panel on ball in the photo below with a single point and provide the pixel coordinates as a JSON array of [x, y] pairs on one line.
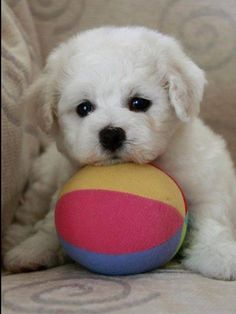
[[114, 222]]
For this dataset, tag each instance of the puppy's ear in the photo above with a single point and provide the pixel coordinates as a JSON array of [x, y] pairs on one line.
[[185, 81], [40, 102], [41, 99]]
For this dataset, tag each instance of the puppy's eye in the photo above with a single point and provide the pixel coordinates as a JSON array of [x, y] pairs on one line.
[[84, 108], [139, 104]]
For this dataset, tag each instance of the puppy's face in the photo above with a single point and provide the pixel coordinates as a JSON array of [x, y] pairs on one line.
[[118, 94], [112, 107]]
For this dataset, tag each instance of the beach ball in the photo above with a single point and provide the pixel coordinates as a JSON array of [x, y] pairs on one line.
[[121, 219]]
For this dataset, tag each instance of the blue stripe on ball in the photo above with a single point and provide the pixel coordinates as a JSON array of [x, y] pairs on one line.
[[124, 264]]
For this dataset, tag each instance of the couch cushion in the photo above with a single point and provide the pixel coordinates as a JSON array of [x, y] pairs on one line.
[[21, 64], [71, 290]]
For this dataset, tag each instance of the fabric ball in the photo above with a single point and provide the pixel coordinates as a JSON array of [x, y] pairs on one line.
[[121, 219]]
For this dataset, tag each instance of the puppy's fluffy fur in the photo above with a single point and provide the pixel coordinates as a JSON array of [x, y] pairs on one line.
[[108, 66]]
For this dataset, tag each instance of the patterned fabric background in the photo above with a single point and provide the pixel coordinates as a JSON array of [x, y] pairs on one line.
[[70, 290], [20, 66]]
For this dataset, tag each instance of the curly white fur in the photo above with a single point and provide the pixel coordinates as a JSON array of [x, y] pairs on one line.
[[107, 66]]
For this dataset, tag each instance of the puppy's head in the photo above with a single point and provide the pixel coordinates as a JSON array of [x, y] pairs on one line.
[[116, 94]]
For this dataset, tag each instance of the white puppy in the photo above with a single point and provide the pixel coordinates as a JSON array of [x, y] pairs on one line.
[[127, 94]]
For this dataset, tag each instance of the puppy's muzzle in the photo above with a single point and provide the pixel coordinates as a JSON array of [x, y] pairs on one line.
[[112, 138]]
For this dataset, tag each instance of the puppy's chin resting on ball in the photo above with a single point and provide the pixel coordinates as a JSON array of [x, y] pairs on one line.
[[130, 94]]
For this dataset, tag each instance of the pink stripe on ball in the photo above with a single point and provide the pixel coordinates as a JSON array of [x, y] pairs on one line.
[[114, 222]]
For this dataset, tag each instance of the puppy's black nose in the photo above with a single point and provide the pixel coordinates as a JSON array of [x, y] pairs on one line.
[[112, 138]]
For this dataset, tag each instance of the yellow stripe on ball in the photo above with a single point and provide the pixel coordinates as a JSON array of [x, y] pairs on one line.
[[143, 180]]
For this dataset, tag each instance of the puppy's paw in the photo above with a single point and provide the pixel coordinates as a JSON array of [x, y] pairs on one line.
[[40, 251], [15, 235], [216, 261]]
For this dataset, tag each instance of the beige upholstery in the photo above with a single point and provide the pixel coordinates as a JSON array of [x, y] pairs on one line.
[[21, 64], [70, 290], [207, 29]]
